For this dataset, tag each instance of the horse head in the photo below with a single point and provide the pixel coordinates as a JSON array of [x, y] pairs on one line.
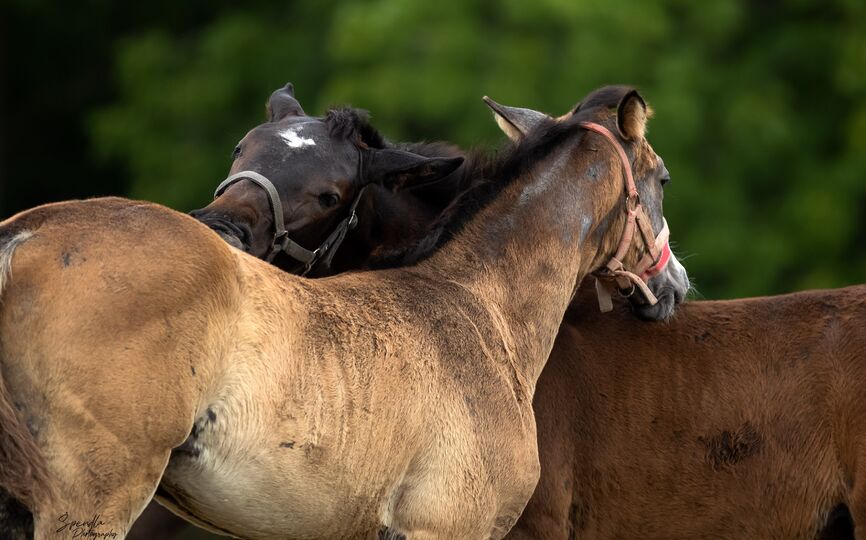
[[296, 181], [655, 265]]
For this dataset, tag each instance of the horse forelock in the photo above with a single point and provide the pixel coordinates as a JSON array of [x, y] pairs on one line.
[[349, 123]]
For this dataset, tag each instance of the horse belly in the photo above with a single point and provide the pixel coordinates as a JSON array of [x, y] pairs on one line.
[[243, 474], [250, 498]]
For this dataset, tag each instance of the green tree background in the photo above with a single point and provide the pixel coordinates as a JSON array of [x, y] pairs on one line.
[[760, 105]]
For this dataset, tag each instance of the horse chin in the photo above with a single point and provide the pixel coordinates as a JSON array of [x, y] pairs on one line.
[[662, 310], [229, 232]]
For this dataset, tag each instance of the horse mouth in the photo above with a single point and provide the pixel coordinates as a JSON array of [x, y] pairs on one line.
[[233, 235], [668, 300], [231, 240]]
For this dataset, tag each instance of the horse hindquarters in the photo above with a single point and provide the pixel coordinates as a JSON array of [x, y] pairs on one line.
[[94, 361]]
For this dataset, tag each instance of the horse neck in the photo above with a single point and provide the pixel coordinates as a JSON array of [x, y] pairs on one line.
[[522, 255]]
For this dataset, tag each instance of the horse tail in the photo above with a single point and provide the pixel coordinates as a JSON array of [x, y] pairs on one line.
[[23, 468]]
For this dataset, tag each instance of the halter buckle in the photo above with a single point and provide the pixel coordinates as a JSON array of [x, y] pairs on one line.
[[309, 266], [627, 294], [281, 240]]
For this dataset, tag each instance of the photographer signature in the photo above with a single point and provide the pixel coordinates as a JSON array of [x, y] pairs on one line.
[[84, 529]]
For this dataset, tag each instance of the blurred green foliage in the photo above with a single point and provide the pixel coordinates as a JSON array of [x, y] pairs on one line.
[[760, 105]]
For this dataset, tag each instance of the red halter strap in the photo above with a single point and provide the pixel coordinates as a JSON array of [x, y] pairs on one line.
[[614, 275]]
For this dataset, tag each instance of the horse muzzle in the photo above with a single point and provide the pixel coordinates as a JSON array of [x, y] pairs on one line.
[[236, 235]]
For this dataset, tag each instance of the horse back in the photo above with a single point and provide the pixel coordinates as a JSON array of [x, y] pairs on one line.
[[690, 419]]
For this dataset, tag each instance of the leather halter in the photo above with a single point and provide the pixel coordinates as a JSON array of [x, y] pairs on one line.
[[614, 276], [281, 242]]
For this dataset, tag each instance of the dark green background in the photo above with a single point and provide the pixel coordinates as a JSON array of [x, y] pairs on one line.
[[761, 105]]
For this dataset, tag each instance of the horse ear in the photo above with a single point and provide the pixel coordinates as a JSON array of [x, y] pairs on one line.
[[398, 169], [514, 121], [631, 116], [282, 103]]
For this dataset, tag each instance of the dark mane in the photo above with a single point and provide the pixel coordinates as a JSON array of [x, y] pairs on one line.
[[486, 175], [349, 123], [345, 122]]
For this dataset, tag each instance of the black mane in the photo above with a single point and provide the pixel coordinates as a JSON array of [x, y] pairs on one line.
[[487, 175], [348, 123]]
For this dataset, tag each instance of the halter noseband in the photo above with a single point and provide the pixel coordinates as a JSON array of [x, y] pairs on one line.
[[614, 275], [281, 242]]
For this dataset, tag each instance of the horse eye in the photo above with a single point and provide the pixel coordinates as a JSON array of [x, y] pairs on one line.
[[236, 152], [328, 200]]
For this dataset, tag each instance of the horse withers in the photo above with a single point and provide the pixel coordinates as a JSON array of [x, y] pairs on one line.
[[394, 402]]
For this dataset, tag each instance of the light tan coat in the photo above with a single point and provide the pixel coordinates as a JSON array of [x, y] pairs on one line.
[[393, 403]]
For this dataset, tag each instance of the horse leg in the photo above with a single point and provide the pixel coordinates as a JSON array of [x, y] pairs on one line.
[[435, 510], [425, 511], [102, 497], [105, 445], [105, 452]]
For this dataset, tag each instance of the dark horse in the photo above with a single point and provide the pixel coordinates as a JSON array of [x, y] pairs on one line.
[[318, 196]]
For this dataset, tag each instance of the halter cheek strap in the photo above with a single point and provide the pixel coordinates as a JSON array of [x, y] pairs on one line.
[[281, 241], [614, 276]]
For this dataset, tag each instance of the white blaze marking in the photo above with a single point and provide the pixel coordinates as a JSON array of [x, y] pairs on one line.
[[290, 135]]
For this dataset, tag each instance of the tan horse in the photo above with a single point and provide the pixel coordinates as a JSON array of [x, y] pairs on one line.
[[705, 427], [393, 403], [386, 218]]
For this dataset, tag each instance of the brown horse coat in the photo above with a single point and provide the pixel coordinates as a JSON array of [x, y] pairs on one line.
[[736, 419]]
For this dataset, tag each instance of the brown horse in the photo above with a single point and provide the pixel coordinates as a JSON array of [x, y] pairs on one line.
[[735, 419], [383, 403]]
